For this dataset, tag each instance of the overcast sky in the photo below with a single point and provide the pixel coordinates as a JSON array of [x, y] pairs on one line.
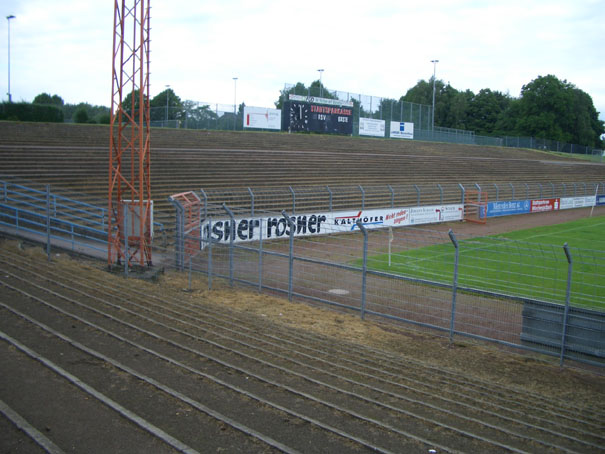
[[379, 47]]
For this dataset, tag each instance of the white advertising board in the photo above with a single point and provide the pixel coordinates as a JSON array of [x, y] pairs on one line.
[[262, 118], [275, 227], [577, 202], [402, 130], [371, 127]]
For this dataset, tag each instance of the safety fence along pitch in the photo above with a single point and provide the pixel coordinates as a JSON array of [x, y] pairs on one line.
[[532, 296]]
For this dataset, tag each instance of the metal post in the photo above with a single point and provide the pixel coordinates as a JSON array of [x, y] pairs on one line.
[[125, 231], [231, 239], [497, 192], [330, 192], [48, 221], [364, 269], [251, 202], [463, 192], [179, 234], [8, 20], [293, 200], [205, 202], [526, 191], [455, 282], [210, 254], [567, 296], [540, 187], [290, 253], [434, 62], [260, 257], [363, 197], [512, 188], [392, 196], [417, 195]]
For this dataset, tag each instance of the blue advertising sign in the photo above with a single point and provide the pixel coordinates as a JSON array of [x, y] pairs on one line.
[[507, 208], [601, 200]]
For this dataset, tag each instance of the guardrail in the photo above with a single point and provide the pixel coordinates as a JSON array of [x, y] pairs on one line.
[[334, 198], [60, 218]]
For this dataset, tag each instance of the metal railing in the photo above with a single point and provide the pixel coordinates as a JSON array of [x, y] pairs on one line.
[[333, 198], [65, 220]]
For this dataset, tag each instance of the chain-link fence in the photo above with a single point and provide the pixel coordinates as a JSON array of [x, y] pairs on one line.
[[538, 297]]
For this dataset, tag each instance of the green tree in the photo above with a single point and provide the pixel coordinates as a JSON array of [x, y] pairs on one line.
[[45, 98], [485, 110], [315, 89], [166, 106], [81, 116]]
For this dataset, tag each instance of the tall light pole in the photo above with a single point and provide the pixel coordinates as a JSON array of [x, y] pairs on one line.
[[321, 92], [234, 101], [434, 62], [8, 20], [167, 96]]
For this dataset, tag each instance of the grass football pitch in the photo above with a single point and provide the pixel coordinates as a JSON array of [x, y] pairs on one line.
[[527, 263]]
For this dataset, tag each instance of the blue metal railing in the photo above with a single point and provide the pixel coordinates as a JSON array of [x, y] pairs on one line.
[[27, 209]]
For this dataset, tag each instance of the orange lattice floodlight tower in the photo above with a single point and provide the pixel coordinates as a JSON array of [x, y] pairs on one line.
[[475, 206], [129, 200]]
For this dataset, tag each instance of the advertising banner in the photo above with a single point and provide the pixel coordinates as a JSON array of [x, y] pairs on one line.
[[371, 127], [274, 227], [262, 118], [401, 130], [544, 205], [601, 200], [299, 116], [507, 208], [577, 202], [318, 100]]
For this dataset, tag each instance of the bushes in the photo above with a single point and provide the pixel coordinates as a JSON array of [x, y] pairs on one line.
[[24, 111]]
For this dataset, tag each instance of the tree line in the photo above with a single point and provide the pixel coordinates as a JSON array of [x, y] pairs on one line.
[[547, 108]]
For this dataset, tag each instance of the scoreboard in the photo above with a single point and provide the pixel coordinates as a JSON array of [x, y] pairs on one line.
[[309, 116]]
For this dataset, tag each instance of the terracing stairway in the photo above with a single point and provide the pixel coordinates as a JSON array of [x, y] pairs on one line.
[[75, 158]]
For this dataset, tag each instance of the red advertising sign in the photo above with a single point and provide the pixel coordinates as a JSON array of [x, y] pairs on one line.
[[544, 205]]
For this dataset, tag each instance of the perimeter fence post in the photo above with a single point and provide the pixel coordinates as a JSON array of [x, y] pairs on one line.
[[364, 269], [205, 197], [392, 196], [512, 188], [125, 230], [290, 253], [231, 238], [179, 234], [210, 254], [454, 283], [48, 221], [417, 195], [293, 200], [260, 256], [363, 197], [251, 202], [330, 193], [462, 191], [497, 192], [567, 297]]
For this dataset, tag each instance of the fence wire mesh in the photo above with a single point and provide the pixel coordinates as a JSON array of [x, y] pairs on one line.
[[513, 292]]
